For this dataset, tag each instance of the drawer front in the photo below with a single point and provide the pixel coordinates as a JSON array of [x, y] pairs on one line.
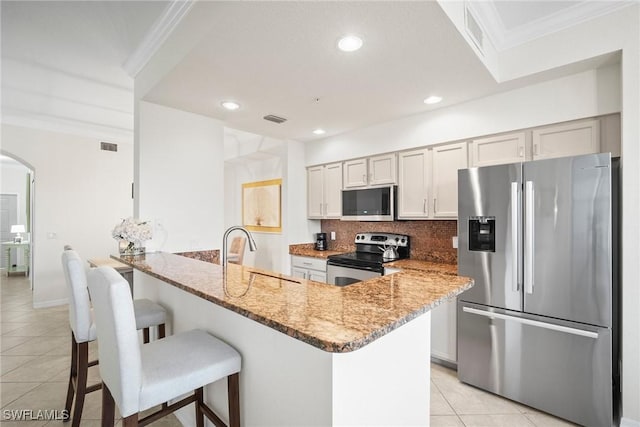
[[319, 264], [565, 371]]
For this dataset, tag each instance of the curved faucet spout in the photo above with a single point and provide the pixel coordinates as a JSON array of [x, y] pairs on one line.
[[252, 243]]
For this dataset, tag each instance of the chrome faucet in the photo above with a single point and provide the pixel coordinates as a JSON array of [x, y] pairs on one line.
[[252, 243]]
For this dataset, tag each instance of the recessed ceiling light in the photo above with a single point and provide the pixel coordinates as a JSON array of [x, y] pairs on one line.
[[433, 99], [349, 43], [230, 105], [319, 131]]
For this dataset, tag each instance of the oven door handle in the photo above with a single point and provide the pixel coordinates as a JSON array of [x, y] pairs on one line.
[[356, 267]]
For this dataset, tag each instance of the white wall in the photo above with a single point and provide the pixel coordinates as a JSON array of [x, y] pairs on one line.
[[269, 253], [81, 192], [257, 158], [179, 177], [586, 94]]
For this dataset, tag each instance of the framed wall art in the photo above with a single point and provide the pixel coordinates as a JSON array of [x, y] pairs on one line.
[[261, 206]]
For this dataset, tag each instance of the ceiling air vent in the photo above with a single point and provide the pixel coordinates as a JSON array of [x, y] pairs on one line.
[[473, 29], [275, 119], [107, 146]]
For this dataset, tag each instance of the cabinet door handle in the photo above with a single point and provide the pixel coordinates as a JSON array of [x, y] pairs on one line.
[[424, 206], [535, 149], [306, 263], [435, 209], [321, 209], [326, 208]]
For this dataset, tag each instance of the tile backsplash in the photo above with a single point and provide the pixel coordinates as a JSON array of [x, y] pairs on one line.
[[430, 240]]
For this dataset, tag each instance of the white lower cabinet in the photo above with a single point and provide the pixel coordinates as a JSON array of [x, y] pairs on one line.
[[443, 332], [309, 268]]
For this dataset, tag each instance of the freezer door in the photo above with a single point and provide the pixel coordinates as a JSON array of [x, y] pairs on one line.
[[567, 238], [489, 232], [562, 368]]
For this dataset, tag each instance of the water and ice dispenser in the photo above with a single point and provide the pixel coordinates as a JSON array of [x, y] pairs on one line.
[[482, 233]]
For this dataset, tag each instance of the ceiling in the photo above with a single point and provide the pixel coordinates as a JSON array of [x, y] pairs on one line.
[[63, 62]]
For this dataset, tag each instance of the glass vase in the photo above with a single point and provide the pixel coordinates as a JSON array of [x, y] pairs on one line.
[[127, 248]]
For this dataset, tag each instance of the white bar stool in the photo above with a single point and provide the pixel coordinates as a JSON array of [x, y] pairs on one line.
[[83, 331], [138, 378]]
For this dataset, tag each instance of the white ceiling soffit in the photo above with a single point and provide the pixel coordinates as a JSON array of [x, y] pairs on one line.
[[509, 23], [62, 64], [281, 58]]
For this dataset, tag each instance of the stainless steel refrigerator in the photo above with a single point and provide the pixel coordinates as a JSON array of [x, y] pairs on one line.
[[540, 326]]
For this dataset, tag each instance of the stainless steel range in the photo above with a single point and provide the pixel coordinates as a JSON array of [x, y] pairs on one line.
[[373, 250]]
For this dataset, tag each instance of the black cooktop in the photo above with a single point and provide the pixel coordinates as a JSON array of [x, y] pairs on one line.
[[369, 248]]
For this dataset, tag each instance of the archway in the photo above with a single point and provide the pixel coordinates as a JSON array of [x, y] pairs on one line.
[[17, 188]]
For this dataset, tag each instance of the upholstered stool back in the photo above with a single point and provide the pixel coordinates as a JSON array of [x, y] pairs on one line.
[[79, 303]]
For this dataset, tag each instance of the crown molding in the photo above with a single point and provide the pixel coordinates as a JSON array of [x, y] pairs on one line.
[[56, 124], [157, 35], [503, 39]]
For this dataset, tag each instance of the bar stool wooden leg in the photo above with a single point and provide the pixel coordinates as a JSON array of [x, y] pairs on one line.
[[81, 382], [199, 395], [108, 407], [233, 390], [145, 335], [73, 373], [130, 421], [161, 332]]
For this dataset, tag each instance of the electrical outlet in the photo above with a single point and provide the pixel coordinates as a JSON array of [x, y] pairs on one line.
[[333, 235], [455, 242], [52, 236]]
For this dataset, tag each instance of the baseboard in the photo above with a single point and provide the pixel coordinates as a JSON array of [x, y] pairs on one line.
[[628, 422], [446, 363], [52, 303]]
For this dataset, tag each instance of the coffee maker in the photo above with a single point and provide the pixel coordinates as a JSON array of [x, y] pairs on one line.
[[321, 242]]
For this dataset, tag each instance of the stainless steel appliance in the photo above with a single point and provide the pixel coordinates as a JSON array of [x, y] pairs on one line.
[[368, 259], [321, 242], [540, 326], [369, 204]]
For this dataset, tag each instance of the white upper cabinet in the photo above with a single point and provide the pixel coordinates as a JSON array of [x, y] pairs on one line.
[[447, 159], [315, 192], [414, 183], [355, 173], [498, 150], [333, 190], [372, 171], [324, 191], [382, 169], [567, 139], [428, 181]]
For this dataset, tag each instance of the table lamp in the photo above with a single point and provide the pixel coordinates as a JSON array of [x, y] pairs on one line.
[[17, 229]]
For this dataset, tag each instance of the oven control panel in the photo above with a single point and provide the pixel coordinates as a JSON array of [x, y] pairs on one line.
[[399, 240]]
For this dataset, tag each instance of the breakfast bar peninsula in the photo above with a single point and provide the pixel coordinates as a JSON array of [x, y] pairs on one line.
[[312, 353]]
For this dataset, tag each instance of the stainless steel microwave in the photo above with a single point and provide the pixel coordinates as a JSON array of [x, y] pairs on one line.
[[369, 204]]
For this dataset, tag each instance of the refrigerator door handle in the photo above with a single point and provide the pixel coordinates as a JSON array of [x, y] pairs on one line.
[[530, 322], [528, 238], [515, 286]]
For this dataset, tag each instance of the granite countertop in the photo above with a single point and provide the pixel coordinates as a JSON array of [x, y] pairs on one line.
[[306, 249], [332, 318]]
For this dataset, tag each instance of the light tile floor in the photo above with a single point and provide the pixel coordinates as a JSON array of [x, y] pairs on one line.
[[35, 357], [35, 354]]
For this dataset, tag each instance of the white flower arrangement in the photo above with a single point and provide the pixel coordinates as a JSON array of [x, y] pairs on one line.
[[133, 230]]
